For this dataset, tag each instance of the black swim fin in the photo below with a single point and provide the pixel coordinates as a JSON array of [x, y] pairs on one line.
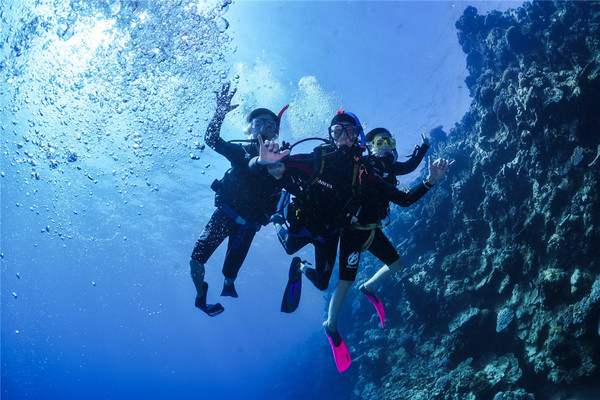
[[211, 310], [293, 289], [229, 290]]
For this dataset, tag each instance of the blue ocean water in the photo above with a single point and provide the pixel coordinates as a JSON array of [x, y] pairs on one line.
[[105, 182]]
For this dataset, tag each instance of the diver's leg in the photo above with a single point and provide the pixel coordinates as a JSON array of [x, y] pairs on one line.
[[341, 354], [325, 254], [237, 250], [197, 271], [382, 274], [291, 243], [295, 243], [351, 242], [350, 245], [335, 304], [383, 249], [211, 237]]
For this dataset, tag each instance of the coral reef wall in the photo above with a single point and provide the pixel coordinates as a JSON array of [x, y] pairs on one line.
[[500, 293]]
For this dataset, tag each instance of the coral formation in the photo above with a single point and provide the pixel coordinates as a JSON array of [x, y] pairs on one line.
[[500, 294]]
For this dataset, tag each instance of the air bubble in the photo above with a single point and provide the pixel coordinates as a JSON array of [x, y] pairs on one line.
[[222, 24]]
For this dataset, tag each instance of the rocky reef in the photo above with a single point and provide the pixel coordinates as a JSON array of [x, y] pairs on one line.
[[500, 293]]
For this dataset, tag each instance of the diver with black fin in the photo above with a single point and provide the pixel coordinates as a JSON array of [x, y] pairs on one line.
[[245, 198], [350, 182], [323, 186]]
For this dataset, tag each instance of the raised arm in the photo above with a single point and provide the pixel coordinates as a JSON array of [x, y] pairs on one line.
[[437, 170], [212, 136], [406, 167]]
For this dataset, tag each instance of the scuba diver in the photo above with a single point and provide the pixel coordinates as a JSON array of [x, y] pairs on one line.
[[325, 189], [366, 233], [373, 187], [326, 186], [245, 199], [323, 186], [383, 157]]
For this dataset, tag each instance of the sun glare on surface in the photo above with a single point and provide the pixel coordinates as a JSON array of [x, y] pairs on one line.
[[74, 55]]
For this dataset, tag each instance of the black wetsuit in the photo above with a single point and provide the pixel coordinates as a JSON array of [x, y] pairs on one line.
[[365, 233], [324, 186], [245, 199]]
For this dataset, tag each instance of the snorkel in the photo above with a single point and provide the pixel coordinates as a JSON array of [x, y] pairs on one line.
[[279, 118]]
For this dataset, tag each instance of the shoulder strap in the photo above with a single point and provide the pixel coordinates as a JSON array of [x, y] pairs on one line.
[[319, 164]]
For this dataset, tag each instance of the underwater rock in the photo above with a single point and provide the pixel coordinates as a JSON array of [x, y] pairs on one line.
[[463, 318], [505, 317], [518, 394], [520, 234], [504, 368], [438, 134]]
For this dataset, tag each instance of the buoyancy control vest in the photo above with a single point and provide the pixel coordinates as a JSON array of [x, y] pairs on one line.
[[251, 193], [326, 189]]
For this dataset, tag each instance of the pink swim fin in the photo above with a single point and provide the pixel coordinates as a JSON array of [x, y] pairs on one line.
[[376, 303], [341, 355]]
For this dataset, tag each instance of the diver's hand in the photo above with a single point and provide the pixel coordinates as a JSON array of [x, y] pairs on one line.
[[224, 99], [425, 139], [272, 146], [268, 152], [437, 169]]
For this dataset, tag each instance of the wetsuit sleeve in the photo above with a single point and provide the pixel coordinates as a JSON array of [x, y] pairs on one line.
[[405, 199], [255, 167], [393, 194], [233, 152], [299, 165], [212, 137], [406, 167]]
